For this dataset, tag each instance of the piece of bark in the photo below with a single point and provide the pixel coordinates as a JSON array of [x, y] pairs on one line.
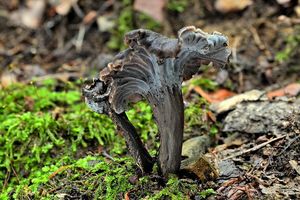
[[201, 167], [276, 117]]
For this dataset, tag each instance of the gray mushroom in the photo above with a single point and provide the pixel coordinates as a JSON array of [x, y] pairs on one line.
[[153, 68]]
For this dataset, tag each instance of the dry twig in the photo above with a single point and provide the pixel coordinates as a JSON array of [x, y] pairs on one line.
[[255, 148]]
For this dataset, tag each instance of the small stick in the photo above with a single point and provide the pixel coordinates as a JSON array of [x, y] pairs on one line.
[[80, 37], [257, 39], [254, 148]]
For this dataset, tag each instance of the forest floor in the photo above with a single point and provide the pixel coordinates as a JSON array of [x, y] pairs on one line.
[[244, 118]]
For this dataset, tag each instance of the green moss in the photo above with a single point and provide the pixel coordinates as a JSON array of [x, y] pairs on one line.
[[124, 25], [205, 83], [141, 117], [127, 21], [37, 123], [45, 129], [145, 21], [95, 177], [206, 193], [175, 189], [291, 48], [177, 5]]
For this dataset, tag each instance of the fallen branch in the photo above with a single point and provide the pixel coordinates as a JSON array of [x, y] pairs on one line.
[[255, 148]]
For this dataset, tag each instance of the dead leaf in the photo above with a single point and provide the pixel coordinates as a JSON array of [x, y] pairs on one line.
[[127, 196], [153, 8], [211, 116], [227, 6], [285, 3], [90, 17], [203, 94], [291, 90], [295, 166], [231, 103], [31, 16], [64, 6], [214, 97], [7, 78], [221, 94]]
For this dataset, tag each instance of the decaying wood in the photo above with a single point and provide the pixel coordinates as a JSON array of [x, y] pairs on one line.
[[153, 68]]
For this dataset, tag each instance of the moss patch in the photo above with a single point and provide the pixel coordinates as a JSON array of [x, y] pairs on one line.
[[52, 146]]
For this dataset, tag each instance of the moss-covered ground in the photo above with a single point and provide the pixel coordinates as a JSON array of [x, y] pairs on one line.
[[53, 147]]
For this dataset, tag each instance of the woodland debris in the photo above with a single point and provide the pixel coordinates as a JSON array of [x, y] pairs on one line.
[[201, 167], [214, 97], [227, 6], [228, 169], [281, 190], [63, 7], [255, 148], [231, 103], [30, 16], [290, 90], [7, 78], [295, 166]]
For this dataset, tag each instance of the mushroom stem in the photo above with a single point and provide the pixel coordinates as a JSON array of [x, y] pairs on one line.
[[135, 145], [169, 116]]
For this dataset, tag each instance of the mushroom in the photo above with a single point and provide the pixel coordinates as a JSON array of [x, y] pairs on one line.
[[153, 68]]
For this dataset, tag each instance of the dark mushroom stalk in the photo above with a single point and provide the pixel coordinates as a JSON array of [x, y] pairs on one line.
[[153, 68]]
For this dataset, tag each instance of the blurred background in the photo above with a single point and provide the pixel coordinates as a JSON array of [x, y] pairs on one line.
[[69, 39]]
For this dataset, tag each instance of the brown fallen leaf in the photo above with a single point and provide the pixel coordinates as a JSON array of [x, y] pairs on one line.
[[227, 6], [7, 78], [214, 97], [290, 90], [64, 6], [232, 102], [90, 17], [31, 16], [153, 8], [211, 116], [126, 196]]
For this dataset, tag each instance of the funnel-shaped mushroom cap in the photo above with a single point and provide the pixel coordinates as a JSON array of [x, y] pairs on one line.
[[153, 68]]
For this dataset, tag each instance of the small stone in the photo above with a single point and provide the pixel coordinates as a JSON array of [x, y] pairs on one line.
[[195, 146]]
